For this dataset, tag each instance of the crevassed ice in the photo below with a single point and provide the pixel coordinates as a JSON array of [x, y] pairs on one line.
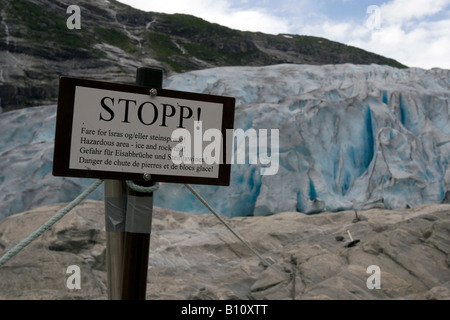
[[373, 134]]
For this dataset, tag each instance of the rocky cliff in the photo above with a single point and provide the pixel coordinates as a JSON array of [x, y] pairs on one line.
[[194, 256], [37, 47]]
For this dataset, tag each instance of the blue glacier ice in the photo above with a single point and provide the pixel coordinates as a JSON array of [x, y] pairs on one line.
[[373, 135]]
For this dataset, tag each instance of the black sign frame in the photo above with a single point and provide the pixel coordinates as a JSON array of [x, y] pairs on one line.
[[64, 125]]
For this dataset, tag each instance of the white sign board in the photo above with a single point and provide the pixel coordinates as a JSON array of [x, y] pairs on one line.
[[116, 131]]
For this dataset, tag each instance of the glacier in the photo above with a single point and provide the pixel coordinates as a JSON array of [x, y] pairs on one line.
[[350, 137]]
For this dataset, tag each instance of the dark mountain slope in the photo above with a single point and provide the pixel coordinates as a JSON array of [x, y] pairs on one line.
[[37, 47]]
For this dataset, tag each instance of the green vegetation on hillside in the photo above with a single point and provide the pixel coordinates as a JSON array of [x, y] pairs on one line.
[[116, 38], [39, 25]]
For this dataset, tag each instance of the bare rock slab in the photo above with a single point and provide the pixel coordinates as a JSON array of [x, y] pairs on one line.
[[193, 256]]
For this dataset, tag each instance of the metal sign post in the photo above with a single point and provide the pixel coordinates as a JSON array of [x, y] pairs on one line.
[[141, 134], [139, 218], [115, 206], [137, 245]]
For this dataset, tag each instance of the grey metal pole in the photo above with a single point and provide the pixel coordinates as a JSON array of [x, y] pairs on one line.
[[115, 210]]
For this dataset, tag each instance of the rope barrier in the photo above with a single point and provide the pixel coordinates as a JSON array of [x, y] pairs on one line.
[[264, 261], [61, 213], [142, 189], [138, 188]]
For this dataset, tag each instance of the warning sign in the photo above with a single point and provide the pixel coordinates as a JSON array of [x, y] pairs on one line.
[[115, 131]]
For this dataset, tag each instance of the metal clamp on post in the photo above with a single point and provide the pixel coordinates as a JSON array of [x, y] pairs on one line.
[[143, 189]]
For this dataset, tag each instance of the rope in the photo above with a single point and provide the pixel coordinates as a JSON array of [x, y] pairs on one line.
[[264, 261], [142, 189], [61, 213]]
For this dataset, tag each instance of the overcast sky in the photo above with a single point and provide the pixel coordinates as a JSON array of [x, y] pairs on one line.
[[414, 32]]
